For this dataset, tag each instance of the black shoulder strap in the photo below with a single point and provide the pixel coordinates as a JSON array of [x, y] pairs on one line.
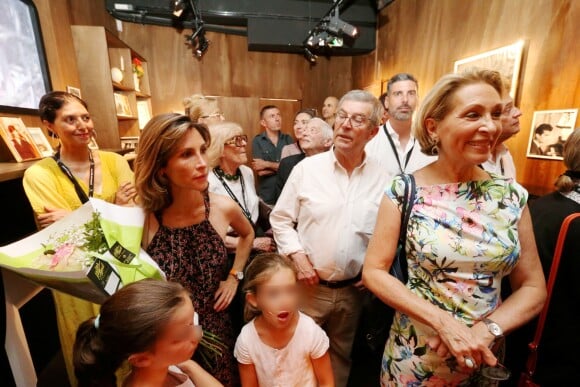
[[399, 266], [79, 190]]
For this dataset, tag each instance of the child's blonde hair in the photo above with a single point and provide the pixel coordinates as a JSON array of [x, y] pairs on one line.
[[260, 270]]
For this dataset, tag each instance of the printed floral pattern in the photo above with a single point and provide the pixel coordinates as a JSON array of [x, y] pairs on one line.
[[462, 239]]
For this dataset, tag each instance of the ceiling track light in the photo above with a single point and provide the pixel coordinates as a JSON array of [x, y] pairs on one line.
[[310, 56], [329, 32], [197, 40]]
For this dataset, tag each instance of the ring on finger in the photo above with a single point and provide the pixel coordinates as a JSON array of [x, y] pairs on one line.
[[469, 363]]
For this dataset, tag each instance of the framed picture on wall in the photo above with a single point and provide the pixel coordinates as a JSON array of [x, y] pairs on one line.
[[550, 130], [506, 60], [17, 139]]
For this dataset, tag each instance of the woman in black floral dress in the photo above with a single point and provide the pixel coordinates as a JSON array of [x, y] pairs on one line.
[[185, 225]]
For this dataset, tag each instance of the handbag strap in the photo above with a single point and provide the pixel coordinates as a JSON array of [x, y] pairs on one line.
[[407, 206], [399, 266], [533, 346]]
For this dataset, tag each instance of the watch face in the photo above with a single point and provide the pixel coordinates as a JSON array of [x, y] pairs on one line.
[[240, 275], [495, 329]]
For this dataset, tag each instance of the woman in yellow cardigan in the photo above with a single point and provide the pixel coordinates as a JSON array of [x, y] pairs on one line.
[[57, 185]]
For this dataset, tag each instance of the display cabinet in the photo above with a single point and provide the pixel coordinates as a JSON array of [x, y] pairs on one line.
[[119, 99]]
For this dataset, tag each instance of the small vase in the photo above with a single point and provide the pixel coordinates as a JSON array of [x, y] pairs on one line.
[[136, 82]]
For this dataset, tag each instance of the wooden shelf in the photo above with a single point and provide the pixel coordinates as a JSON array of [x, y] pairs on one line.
[[98, 51], [120, 87], [126, 117], [11, 171]]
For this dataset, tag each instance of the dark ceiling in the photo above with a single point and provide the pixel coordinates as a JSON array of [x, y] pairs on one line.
[[270, 25]]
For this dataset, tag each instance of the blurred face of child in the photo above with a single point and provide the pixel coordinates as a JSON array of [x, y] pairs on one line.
[[277, 298], [179, 338]]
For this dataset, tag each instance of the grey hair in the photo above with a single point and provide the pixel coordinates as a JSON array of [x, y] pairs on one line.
[[365, 96], [325, 129]]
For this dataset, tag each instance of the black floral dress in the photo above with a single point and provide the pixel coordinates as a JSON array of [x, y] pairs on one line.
[[196, 257]]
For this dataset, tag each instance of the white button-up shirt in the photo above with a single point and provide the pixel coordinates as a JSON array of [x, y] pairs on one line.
[[328, 215], [503, 164], [380, 148]]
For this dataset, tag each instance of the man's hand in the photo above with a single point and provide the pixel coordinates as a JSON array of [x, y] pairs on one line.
[[306, 272]]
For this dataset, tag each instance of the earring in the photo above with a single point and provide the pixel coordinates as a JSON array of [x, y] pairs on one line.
[[434, 147]]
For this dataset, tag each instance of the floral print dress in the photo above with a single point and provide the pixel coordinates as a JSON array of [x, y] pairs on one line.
[[462, 239]]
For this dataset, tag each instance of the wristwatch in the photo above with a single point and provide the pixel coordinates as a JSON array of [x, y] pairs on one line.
[[239, 275], [493, 328]]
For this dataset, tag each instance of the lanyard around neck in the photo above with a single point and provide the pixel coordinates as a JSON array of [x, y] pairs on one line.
[[408, 156], [82, 196], [219, 173]]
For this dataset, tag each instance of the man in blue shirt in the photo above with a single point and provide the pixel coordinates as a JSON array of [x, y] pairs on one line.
[[266, 149]]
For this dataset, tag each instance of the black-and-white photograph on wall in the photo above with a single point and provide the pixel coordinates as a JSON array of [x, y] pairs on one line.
[[550, 130], [24, 77]]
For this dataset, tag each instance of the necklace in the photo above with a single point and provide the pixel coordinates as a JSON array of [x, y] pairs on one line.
[[227, 176]]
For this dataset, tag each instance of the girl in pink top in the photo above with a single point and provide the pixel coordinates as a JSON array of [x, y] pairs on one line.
[[280, 346]]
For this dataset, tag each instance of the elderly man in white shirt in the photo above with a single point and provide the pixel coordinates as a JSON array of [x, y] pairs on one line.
[[324, 219]]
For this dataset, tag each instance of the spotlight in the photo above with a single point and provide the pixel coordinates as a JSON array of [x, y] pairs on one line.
[[178, 7], [310, 56], [338, 26], [202, 45]]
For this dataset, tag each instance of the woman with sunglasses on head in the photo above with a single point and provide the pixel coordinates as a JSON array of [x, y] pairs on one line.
[[185, 226], [203, 110], [58, 185]]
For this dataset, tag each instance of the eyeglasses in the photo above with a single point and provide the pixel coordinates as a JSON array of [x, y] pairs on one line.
[[216, 114], [356, 120], [239, 140]]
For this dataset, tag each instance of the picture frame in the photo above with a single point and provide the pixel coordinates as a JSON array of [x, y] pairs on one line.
[[74, 91], [129, 142], [18, 139], [41, 142], [506, 60], [24, 65], [122, 105], [550, 130]]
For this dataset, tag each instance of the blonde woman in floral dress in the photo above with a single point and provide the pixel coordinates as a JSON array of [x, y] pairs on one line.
[[467, 230]]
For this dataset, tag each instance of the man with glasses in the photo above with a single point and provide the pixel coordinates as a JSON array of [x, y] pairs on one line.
[[324, 218], [394, 145], [266, 150]]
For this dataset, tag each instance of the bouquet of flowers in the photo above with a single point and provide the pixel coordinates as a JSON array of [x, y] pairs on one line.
[[138, 67], [89, 254]]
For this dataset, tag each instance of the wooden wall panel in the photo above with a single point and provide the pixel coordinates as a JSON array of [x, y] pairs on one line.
[[426, 37], [91, 13]]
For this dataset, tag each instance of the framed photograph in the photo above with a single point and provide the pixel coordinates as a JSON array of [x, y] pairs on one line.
[[74, 91], [41, 142], [507, 60], [122, 105], [129, 143], [143, 112], [23, 69], [550, 130], [17, 139]]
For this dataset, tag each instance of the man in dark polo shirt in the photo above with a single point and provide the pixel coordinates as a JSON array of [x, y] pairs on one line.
[[266, 149]]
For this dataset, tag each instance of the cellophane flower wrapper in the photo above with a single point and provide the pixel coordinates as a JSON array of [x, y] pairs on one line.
[[89, 254]]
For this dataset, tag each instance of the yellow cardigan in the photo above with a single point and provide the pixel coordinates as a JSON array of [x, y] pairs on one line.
[[47, 186]]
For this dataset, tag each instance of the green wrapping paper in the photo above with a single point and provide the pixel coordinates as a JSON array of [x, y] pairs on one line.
[[89, 254]]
